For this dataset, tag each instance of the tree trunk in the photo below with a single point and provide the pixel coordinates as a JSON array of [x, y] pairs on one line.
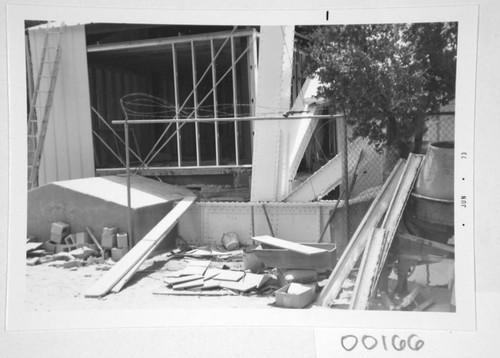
[[420, 129], [391, 156]]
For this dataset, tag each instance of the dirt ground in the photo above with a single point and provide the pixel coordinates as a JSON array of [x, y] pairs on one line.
[[50, 288]]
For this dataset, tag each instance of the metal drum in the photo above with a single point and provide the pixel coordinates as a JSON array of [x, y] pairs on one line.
[[430, 213]]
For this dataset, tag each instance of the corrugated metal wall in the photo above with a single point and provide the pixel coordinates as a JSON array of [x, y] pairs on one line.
[[68, 151]]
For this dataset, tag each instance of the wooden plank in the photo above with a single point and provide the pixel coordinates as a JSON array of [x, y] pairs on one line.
[[292, 246], [237, 286], [250, 282], [357, 244], [210, 284], [396, 208], [190, 284], [177, 280], [256, 279], [118, 287], [229, 275], [211, 273], [378, 246], [367, 270], [142, 248]]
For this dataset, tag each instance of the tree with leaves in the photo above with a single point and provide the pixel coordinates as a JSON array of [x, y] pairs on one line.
[[387, 79]]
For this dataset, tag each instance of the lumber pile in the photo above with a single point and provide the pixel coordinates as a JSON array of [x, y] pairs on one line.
[[372, 240]]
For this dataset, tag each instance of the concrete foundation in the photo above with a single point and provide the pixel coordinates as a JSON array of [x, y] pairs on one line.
[[102, 202]]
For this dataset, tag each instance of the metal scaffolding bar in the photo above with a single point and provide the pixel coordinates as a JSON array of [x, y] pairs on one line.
[[109, 148], [167, 41], [188, 119], [252, 73], [186, 100], [228, 119], [214, 96], [129, 199], [235, 102], [116, 135], [195, 100], [176, 97]]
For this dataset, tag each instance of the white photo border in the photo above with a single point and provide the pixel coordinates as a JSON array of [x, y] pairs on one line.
[[464, 319]]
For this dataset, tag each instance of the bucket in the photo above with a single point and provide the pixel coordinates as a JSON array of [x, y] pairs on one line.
[[230, 241]]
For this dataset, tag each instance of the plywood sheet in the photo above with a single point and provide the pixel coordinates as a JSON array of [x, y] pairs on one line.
[[292, 246]]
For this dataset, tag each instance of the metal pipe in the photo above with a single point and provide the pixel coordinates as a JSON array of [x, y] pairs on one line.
[[214, 97], [129, 201], [176, 99], [222, 167], [114, 133], [195, 102], [188, 119], [141, 44], [227, 119], [235, 102], [345, 173], [186, 100], [109, 148]]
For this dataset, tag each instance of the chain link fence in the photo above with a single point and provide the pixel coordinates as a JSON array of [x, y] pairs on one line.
[[365, 170]]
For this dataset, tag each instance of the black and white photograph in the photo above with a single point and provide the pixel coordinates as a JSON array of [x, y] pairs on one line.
[[228, 173], [314, 159]]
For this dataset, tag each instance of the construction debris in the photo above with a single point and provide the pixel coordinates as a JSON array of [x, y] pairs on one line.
[[358, 242], [230, 241], [295, 295], [130, 263], [322, 261]]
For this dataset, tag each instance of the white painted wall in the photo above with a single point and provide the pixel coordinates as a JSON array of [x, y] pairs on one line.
[[68, 150]]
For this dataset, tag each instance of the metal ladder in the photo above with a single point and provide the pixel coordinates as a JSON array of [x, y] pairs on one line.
[[41, 102]]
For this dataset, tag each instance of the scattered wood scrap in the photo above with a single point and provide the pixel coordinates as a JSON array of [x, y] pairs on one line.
[[172, 281], [230, 275]]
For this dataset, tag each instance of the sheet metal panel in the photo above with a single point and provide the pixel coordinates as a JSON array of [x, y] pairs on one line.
[[273, 96], [68, 151], [206, 222]]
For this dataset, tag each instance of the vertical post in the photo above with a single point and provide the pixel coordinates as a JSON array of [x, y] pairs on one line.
[[235, 103], [127, 166], [252, 80], [345, 176], [195, 101], [214, 94], [176, 95], [252, 71]]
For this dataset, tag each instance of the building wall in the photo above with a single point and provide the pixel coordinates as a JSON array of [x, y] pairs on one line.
[[68, 150]]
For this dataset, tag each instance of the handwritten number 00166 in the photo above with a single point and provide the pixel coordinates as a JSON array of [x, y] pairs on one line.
[[350, 342]]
